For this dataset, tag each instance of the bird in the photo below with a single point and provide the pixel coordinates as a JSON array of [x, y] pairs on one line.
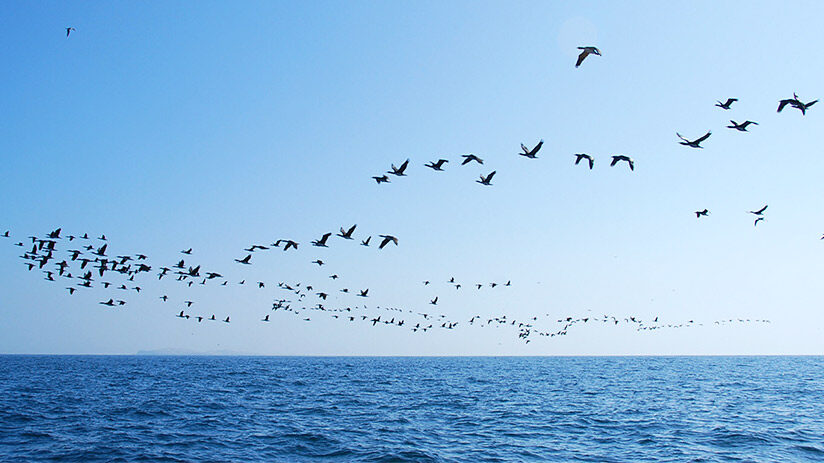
[[586, 52], [6, 235], [621, 157], [726, 105], [322, 241], [580, 156], [486, 180], [381, 179], [760, 211], [266, 318], [347, 234], [187, 251], [245, 260], [436, 165], [366, 241], [531, 153], [364, 293], [318, 261], [289, 244], [69, 31], [795, 102], [742, 127], [698, 214], [757, 220], [227, 320], [694, 143], [386, 240], [399, 171], [109, 303], [469, 158]]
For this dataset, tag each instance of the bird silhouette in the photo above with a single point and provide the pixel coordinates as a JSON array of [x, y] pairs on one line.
[[322, 241], [381, 179], [486, 180], [436, 165], [694, 143], [580, 156], [531, 153], [698, 214], [469, 158], [726, 104], [347, 234], [399, 171], [586, 52], [386, 240], [742, 127], [760, 211], [69, 30], [621, 157]]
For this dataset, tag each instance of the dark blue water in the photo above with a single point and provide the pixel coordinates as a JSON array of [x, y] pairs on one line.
[[411, 409]]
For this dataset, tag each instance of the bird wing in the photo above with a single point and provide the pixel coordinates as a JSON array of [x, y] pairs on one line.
[[783, 103], [762, 209], [491, 174], [615, 159], [810, 104], [591, 162], [403, 166], [681, 137], [581, 57], [707, 135]]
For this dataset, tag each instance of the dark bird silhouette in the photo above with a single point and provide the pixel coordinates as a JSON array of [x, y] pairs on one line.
[[795, 102], [434, 301], [531, 153], [760, 211], [6, 235], [188, 251], [742, 127], [363, 293], [227, 320], [322, 241], [386, 240], [244, 261], [318, 261], [694, 143], [381, 179], [109, 303], [586, 52], [69, 30], [347, 234], [436, 165], [580, 156], [698, 214], [399, 171], [726, 105], [757, 220], [265, 319], [469, 158], [621, 157], [486, 180], [366, 241]]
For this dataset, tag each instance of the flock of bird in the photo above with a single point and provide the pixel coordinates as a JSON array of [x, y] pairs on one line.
[[85, 263]]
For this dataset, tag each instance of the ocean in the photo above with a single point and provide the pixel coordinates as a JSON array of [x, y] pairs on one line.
[[411, 409]]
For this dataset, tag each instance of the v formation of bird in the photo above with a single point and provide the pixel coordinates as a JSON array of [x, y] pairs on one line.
[[88, 264]]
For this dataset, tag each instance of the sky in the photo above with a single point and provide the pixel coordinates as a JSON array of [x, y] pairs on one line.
[[217, 125]]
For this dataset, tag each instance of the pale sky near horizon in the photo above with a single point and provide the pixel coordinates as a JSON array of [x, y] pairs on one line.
[[210, 125]]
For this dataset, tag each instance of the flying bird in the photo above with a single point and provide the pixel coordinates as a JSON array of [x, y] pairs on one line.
[[347, 234], [531, 153], [742, 127], [698, 214], [760, 211], [245, 260], [469, 158], [580, 156], [69, 31], [486, 180], [436, 165], [795, 102], [386, 240], [694, 143], [757, 220], [726, 105], [399, 171], [621, 157], [586, 52], [366, 241], [322, 241], [381, 179]]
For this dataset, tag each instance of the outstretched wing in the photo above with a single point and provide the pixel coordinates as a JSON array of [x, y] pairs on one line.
[[707, 135], [681, 137], [581, 57]]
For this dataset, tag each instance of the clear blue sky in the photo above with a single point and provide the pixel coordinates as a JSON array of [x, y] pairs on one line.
[[215, 125]]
